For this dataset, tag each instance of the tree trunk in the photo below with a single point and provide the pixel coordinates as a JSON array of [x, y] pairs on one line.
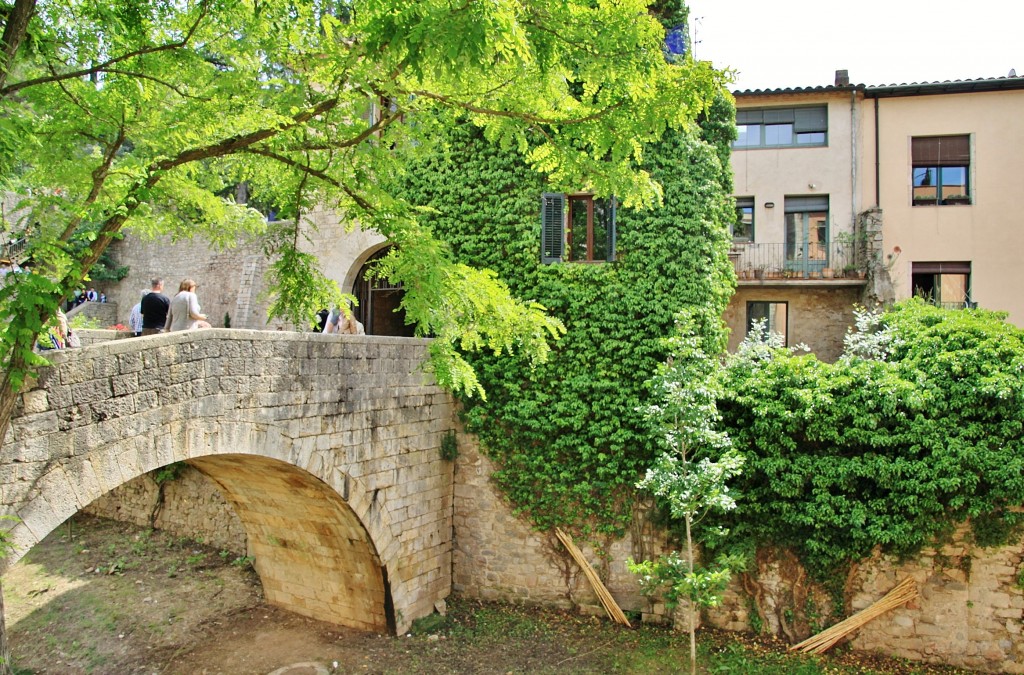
[[15, 28], [5, 647], [692, 605], [8, 399]]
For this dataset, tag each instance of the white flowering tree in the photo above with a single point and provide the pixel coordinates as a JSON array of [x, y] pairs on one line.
[[687, 477]]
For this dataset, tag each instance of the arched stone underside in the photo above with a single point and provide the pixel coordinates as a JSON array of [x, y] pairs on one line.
[[311, 552], [327, 446]]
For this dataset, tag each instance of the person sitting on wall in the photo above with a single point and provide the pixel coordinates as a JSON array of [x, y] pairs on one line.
[[343, 323], [135, 316], [184, 312]]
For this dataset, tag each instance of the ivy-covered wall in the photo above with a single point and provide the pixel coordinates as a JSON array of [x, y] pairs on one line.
[[567, 435]]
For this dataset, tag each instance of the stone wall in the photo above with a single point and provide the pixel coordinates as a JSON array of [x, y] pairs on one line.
[[233, 280], [970, 613], [500, 557], [818, 316], [192, 506]]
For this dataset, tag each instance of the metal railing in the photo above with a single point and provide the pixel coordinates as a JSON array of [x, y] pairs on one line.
[[830, 260], [12, 250]]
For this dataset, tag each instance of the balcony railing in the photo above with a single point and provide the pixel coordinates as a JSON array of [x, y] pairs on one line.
[[832, 260]]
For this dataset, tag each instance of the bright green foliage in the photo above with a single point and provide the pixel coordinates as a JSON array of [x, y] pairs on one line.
[[144, 114], [671, 579], [843, 457], [568, 434]]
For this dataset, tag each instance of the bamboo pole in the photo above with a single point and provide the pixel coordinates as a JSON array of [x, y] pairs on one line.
[[903, 592], [610, 606]]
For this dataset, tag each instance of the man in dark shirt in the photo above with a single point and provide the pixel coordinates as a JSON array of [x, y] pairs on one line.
[[154, 309]]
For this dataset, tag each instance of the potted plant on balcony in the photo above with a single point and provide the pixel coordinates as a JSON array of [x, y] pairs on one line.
[[956, 199], [850, 271], [828, 273]]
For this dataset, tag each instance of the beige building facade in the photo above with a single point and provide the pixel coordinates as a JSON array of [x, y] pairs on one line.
[[863, 194], [949, 166]]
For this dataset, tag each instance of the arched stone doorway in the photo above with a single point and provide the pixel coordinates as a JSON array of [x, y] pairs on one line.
[[378, 308]]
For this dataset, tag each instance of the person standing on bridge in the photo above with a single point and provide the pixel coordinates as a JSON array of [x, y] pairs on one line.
[[184, 312], [154, 308]]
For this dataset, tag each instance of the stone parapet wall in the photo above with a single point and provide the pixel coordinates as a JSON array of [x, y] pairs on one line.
[[192, 507]]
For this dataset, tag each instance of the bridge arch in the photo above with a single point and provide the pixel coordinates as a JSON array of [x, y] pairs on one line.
[[340, 487]]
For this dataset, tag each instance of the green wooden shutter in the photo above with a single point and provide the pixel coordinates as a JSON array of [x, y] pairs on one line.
[[552, 215], [613, 203]]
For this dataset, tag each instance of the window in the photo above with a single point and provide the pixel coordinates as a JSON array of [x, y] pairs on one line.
[[941, 165], [774, 314], [781, 127], [743, 226], [577, 228], [944, 284], [807, 233]]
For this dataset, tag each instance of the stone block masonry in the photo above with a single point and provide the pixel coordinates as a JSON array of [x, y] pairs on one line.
[[327, 449]]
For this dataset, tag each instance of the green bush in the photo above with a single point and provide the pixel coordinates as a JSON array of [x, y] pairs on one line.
[[889, 452]]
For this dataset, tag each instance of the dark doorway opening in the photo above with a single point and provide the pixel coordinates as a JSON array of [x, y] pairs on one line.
[[379, 301]]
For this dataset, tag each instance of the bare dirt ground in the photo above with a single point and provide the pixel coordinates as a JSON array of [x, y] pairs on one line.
[[98, 596]]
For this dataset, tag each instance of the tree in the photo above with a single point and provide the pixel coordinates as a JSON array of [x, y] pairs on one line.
[[685, 415], [141, 113]]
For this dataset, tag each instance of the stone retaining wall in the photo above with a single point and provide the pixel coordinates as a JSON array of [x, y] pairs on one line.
[[192, 507], [970, 614]]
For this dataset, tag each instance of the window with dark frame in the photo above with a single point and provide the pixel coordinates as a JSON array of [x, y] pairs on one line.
[[743, 226], [781, 127], [943, 284], [941, 167], [577, 228], [774, 314]]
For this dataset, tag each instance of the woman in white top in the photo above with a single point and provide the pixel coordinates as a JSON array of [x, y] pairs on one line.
[[184, 312]]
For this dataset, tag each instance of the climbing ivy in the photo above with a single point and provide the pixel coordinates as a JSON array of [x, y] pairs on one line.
[[567, 435], [890, 451]]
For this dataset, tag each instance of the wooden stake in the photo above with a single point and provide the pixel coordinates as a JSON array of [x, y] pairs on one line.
[[902, 593], [610, 606]]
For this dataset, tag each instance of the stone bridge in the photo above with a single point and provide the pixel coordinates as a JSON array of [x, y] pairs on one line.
[[327, 447]]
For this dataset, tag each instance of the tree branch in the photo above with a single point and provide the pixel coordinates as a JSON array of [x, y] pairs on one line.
[[99, 177], [316, 173], [143, 76], [240, 143], [526, 117], [15, 29], [102, 67]]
